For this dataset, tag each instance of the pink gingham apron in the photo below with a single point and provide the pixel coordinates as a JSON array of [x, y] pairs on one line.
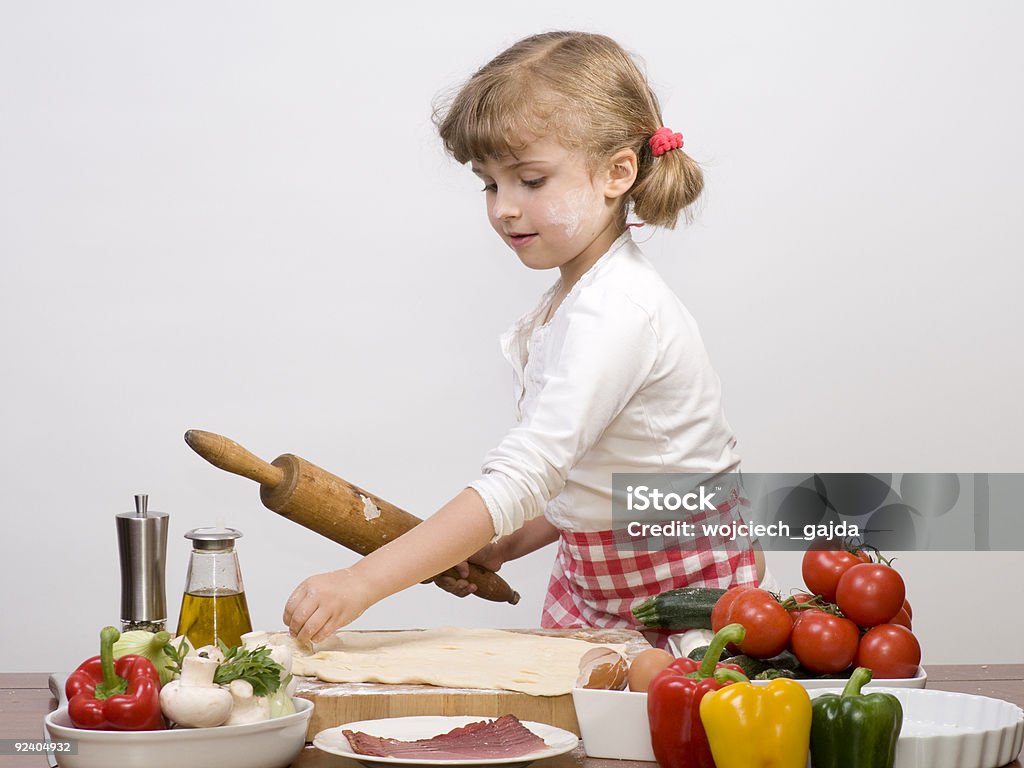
[[596, 583]]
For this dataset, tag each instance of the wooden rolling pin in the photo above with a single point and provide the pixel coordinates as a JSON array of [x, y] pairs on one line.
[[322, 502]]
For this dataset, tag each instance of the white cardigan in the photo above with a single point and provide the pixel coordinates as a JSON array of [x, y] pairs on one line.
[[617, 381]]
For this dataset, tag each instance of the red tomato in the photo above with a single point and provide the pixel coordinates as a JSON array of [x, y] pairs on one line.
[[822, 568], [870, 593], [889, 651], [824, 643], [803, 597], [720, 613], [908, 609], [800, 598], [901, 618], [767, 623]]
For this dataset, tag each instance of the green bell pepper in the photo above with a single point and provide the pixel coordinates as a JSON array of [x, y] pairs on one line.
[[855, 730]]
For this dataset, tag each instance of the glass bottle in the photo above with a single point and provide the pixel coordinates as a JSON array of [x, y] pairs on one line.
[[213, 607]]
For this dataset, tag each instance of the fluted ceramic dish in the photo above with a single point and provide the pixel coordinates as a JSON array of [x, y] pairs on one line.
[[942, 729]]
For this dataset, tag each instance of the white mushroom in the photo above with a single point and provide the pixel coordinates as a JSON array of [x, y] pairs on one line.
[[193, 700], [208, 651], [246, 708], [283, 656], [255, 639]]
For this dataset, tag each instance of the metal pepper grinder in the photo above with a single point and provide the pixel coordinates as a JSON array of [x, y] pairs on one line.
[[142, 545]]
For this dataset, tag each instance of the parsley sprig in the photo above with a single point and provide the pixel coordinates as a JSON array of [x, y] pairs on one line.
[[252, 665], [176, 654], [240, 663]]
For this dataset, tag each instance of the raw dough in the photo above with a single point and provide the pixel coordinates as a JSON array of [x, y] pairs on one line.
[[450, 657]]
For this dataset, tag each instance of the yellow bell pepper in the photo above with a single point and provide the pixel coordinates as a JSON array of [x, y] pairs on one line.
[[753, 726]]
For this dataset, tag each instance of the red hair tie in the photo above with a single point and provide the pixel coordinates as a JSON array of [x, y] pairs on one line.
[[664, 140]]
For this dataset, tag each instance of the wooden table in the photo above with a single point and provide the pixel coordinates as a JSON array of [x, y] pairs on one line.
[[25, 699]]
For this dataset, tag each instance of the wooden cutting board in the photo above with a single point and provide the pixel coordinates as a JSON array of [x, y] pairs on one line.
[[339, 703]]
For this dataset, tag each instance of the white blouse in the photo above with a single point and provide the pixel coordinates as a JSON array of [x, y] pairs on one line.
[[617, 381]]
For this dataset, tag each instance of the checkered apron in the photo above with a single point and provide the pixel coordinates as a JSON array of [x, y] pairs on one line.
[[596, 581]]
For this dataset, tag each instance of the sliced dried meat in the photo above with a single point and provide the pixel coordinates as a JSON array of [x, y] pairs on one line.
[[486, 739]]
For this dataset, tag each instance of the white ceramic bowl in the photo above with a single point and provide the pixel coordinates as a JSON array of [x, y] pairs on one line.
[[269, 744], [954, 730], [613, 723], [682, 643], [917, 681]]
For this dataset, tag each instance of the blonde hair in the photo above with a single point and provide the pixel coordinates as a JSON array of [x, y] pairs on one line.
[[587, 92]]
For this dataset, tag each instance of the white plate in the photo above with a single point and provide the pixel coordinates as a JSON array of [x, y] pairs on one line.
[[942, 729], [268, 744], [333, 741]]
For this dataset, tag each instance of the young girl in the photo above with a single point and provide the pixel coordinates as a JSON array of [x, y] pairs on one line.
[[610, 371]]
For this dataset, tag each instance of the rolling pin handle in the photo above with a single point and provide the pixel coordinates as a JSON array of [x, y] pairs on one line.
[[489, 585], [231, 457]]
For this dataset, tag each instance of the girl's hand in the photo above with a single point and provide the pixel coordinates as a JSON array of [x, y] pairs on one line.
[[488, 556], [323, 603]]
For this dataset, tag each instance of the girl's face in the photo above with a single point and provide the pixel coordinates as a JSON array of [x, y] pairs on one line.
[[549, 208]]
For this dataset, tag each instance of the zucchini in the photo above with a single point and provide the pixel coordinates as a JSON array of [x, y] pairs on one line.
[[751, 667], [773, 674], [683, 608], [697, 654], [844, 675], [785, 660]]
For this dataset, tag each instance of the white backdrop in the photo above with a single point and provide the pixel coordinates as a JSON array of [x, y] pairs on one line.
[[236, 217]]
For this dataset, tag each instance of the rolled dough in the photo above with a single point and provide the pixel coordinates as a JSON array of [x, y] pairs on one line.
[[451, 657]]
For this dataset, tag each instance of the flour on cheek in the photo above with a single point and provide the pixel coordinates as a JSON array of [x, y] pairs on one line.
[[569, 212]]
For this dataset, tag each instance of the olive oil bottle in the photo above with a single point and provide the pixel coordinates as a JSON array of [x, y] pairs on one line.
[[213, 607], [209, 616]]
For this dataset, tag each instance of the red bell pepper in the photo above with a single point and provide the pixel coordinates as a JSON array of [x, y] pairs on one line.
[[105, 695], [673, 704]]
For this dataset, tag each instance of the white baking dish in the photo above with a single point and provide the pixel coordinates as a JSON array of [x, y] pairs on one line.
[[942, 729], [684, 642], [613, 724], [917, 681]]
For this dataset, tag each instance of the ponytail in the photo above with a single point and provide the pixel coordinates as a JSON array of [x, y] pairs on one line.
[[665, 187]]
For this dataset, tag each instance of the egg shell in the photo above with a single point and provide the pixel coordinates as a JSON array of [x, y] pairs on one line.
[[645, 666], [602, 668]]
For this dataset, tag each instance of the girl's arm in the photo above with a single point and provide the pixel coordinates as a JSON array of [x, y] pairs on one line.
[[322, 603], [535, 534], [532, 536], [759, 561]]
